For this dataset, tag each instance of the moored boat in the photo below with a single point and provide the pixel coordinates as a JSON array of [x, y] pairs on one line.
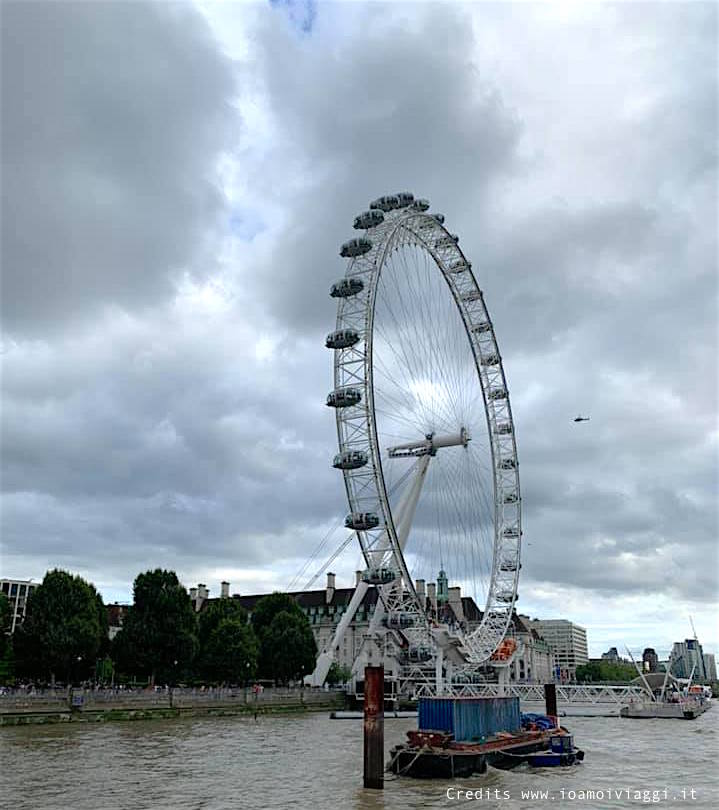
[[671, 702], [681, 709], [474, 733]]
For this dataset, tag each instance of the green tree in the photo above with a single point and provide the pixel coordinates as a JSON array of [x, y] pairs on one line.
[[604, 671], [228, 647], [587, 673], [213, 613], [105, 670], [6, 648], [159, 635], [338, 674], [64, 629], [287, 647], [230, 653], [5, 618], [268, 607]]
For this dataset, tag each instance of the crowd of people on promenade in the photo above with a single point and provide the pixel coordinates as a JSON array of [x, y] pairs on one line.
[[59, 689]]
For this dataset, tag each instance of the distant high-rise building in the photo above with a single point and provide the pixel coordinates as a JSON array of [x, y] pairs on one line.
[[688, 660], [568, 642], [650, 660], [17, 592], [611, 655], [710, 667]]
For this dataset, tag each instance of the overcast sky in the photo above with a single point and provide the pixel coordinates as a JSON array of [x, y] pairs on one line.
[[176, 182]]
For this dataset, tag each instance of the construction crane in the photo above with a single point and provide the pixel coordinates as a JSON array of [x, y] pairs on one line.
[[700, 657]]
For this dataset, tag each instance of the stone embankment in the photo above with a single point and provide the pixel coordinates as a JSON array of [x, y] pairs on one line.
[[102, 705]]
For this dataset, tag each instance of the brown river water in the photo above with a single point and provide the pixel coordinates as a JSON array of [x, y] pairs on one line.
[[309, 761]]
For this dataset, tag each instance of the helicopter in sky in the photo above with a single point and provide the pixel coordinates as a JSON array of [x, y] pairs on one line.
[[582, 418]]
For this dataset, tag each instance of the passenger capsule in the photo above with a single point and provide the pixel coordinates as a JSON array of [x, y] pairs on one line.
[[444, 241], [510, 497], [508, 565], [343, 397], [350, 460], [342, 339], [460, 266], [420, 205], [511, 531], [378, 576], [398, 620], [507, 464], [497, 393], [438, 217], [419, 653], [482, 327], [356, 247], [472, 295], [506, 596], [346, 287], [386, 203], [368, 219], [405, 198], [503, 429], [361, 521], [490, 360]]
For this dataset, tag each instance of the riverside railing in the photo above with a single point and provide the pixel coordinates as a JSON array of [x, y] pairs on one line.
[[106, 699]]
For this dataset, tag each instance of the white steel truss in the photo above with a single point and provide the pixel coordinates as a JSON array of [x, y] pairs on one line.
[[573, 694]]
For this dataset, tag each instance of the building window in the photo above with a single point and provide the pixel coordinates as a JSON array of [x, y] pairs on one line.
[[13, 589]]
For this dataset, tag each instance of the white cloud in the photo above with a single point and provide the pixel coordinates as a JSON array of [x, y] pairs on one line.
[[176, 196]]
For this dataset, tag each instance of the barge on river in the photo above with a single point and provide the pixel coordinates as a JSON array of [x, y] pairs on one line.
[[458, 737], [681, 709]]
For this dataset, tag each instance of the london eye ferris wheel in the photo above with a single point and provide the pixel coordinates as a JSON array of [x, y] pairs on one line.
[[425, 432]]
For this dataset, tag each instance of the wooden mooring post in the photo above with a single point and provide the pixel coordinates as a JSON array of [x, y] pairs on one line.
[[550, 701], [374, 727]]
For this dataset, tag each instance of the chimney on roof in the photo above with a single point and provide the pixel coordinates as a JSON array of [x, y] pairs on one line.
[[193, 594], [358, 578], [432, 596], [330, 592], [455, 602], [224, 589], [202, 594]]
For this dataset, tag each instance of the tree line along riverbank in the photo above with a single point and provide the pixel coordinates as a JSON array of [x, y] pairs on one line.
[[64, 637]]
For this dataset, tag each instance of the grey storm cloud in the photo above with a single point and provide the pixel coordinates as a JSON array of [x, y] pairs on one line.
[[113, 118], [399, 107], [172, 217]]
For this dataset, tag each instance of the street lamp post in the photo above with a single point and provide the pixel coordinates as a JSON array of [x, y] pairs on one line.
[[173, 681]]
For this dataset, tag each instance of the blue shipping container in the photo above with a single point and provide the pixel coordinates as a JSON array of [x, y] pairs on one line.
[[436, 714], [470, 719]]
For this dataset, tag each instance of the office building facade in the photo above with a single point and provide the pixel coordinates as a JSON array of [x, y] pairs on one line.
[[17, 592], [568, 643]]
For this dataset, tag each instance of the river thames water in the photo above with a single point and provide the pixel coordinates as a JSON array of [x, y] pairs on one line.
[[312, 762]]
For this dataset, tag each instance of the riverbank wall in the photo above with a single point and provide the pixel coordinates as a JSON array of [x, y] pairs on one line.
[[86, 706]]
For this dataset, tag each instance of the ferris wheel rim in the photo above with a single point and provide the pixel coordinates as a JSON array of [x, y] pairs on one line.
[[367, 266]]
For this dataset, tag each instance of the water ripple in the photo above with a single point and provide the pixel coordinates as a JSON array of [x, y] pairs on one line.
[[313, 763]]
